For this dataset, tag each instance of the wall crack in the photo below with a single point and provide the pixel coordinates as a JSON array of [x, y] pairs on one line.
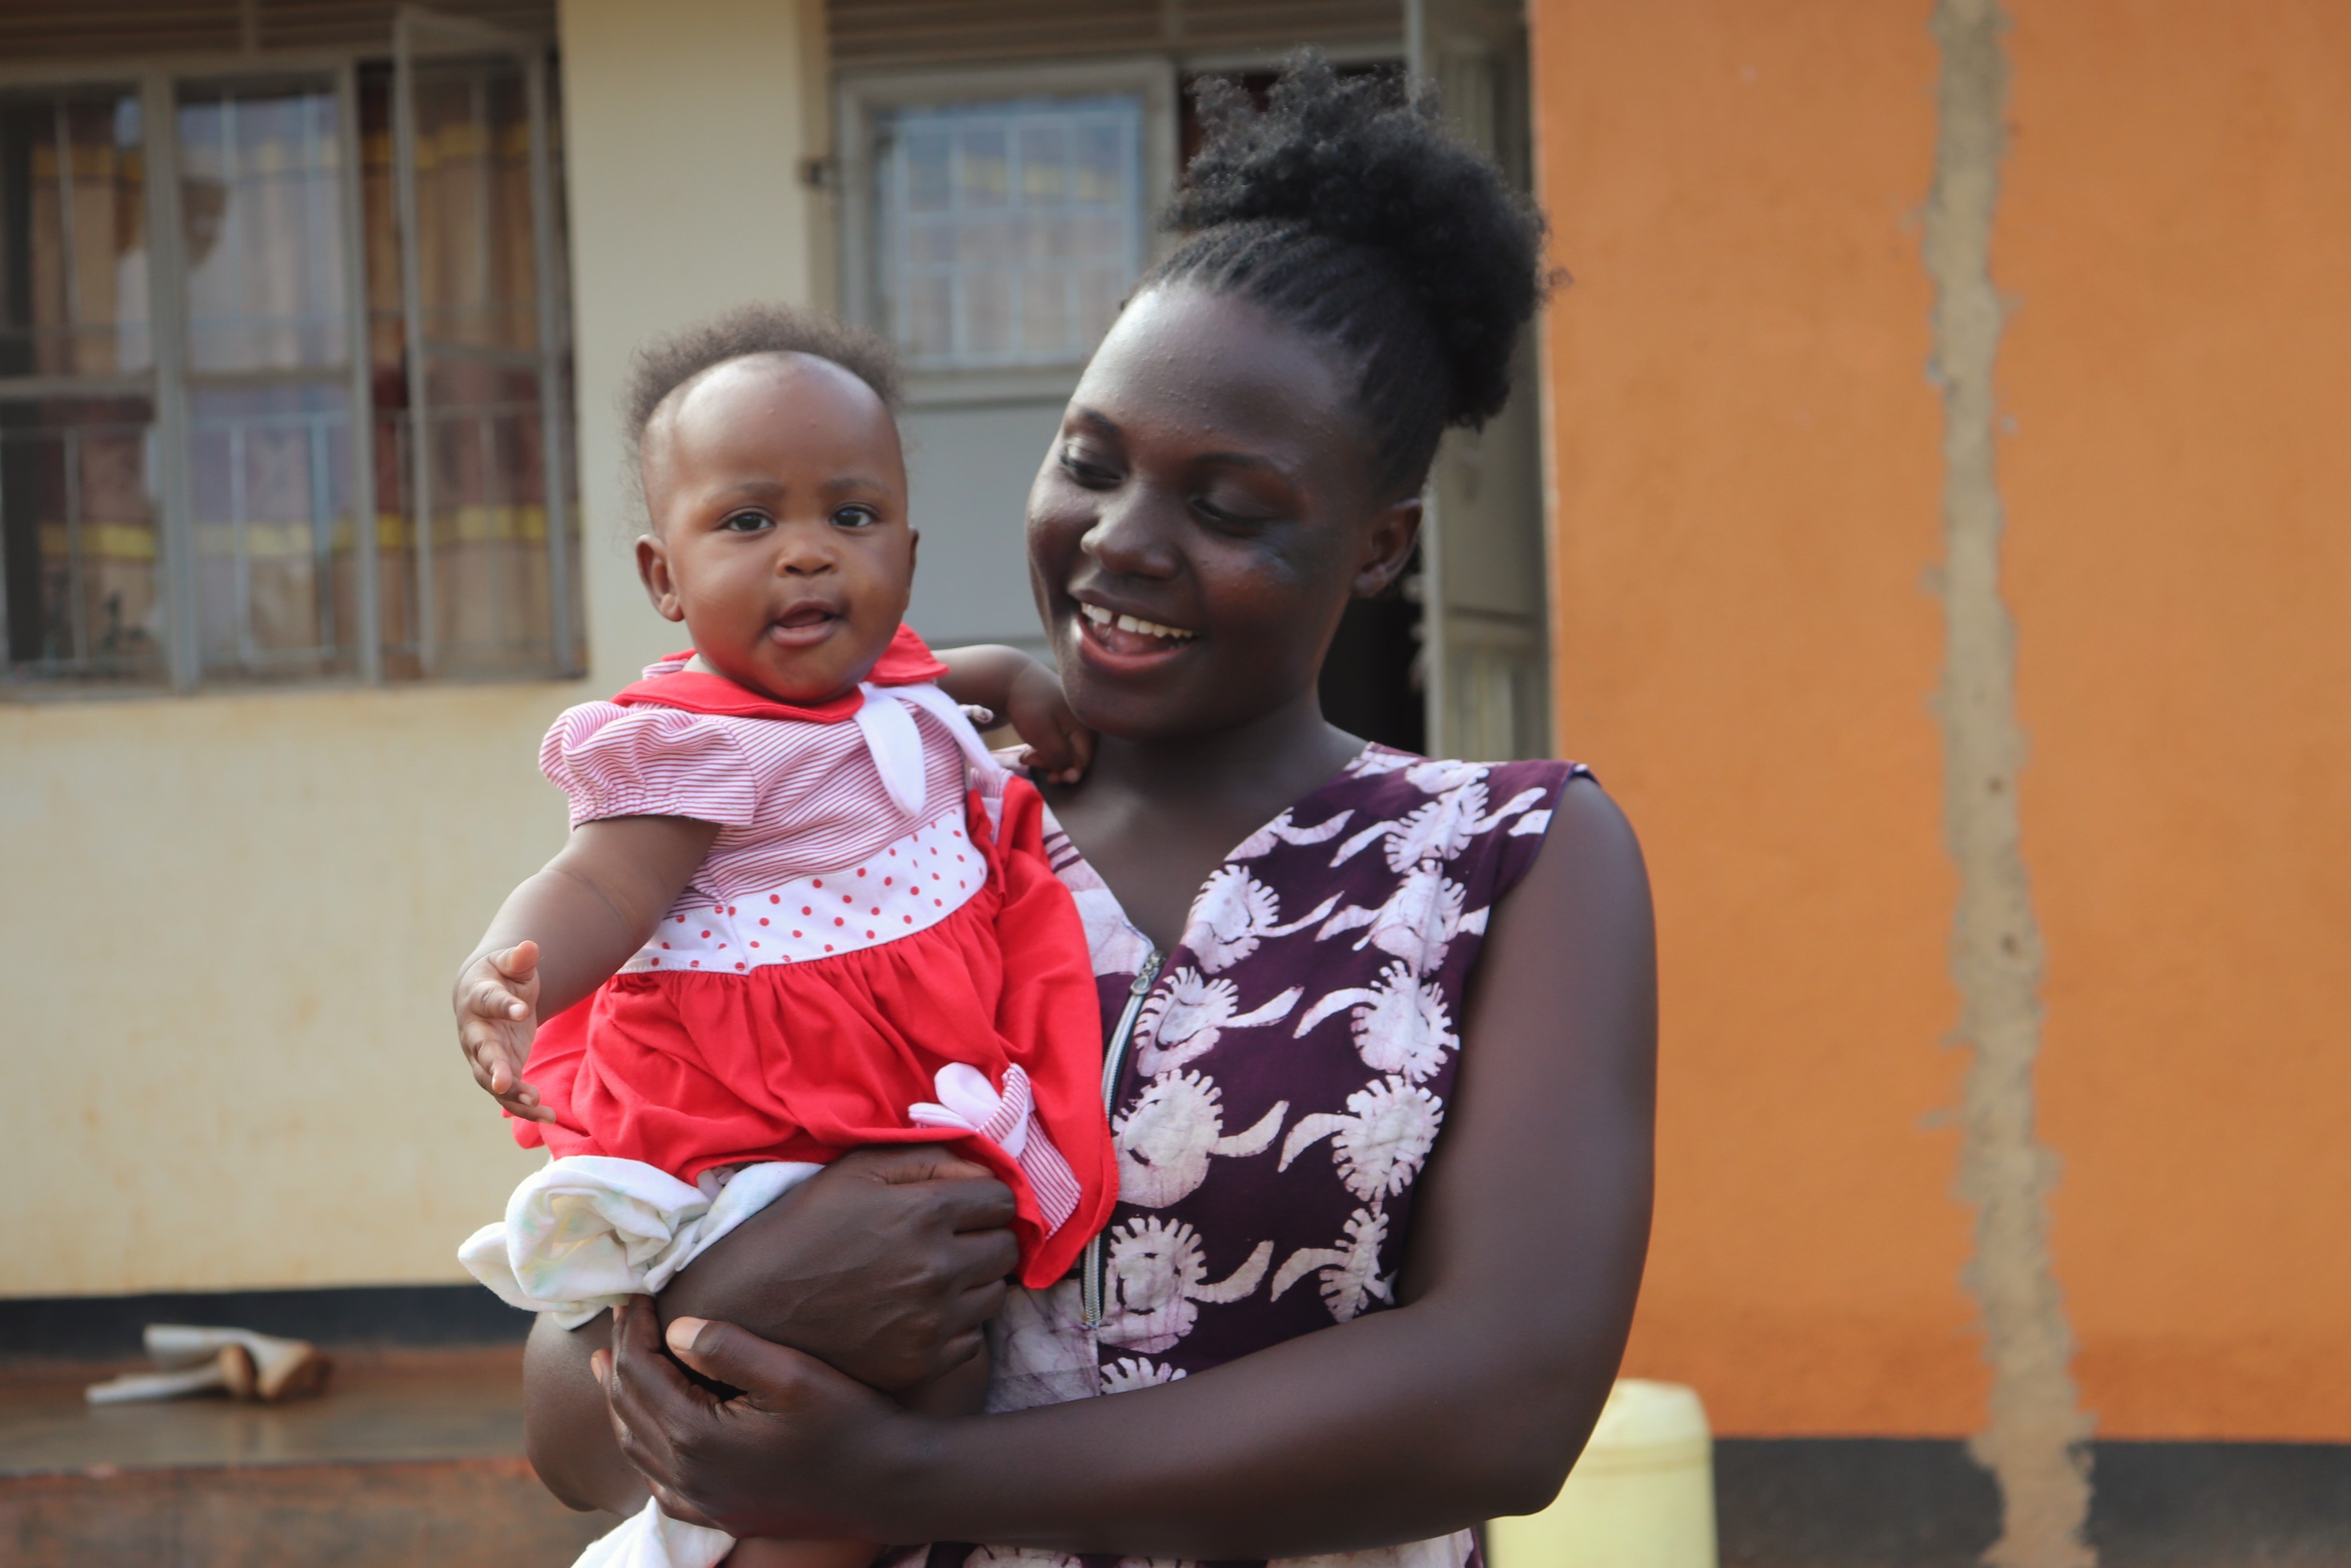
[[2034, 1443]]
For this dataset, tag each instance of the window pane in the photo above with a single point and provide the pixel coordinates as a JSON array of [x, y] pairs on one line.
[[73, 255], [473, 206], [78, 539], [1010, 231], [261, 198], [483, 567], [270, 481], [469, 591]]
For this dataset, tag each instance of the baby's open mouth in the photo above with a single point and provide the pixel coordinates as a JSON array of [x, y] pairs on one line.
[[1131, 633], [803, 624]]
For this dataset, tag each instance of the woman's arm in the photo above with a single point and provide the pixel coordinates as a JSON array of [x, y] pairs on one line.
[[1470, 1400], [562, 933]]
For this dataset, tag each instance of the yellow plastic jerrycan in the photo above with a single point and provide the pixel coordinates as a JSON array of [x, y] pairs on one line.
[[1641, 1497]]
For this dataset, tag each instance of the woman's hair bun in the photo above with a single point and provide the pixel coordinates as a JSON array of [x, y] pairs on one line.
[[1336, 164]]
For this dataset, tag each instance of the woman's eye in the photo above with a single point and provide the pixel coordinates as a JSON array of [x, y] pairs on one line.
[[855, 518], [1218, 517], [1093, 475], [744, 522]]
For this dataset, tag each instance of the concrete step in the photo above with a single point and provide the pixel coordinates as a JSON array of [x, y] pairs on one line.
[[410, 1458]]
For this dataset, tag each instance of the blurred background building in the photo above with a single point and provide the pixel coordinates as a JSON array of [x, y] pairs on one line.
[[1924, 509]]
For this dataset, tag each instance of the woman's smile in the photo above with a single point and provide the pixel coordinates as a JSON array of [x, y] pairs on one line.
[[1120, 642]]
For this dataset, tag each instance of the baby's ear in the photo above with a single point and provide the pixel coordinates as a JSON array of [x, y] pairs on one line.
[[652, 570]]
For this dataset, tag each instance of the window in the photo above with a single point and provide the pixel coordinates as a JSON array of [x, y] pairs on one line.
[[1011, 231], [998, 218], [284, 378]]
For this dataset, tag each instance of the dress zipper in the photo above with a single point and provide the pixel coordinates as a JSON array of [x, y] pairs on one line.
[[1091, 1275]]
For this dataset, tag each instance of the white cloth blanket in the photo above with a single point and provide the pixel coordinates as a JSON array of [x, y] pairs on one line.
[[581, 1234]]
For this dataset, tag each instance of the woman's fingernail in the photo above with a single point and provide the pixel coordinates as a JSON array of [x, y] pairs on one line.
[[683, 1332]]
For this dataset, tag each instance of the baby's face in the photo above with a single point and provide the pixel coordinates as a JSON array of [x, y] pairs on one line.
[[779, 499]]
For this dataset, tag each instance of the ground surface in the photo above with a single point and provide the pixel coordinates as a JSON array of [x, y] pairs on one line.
[[410, 1457]]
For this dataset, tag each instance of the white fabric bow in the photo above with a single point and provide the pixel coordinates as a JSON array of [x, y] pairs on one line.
[[887, 720]]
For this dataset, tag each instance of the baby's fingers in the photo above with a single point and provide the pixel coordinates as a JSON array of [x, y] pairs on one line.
[[523, 1101], [517, 961], [492, 1000]]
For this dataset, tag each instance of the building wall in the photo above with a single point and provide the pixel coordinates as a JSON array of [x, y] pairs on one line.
[[1748, 541], [230, 921]]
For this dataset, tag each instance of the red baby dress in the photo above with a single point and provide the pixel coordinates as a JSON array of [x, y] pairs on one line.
[[874, 951]]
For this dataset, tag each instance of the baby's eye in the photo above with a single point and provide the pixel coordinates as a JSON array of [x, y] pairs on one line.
[[855, 518], [746, 522]]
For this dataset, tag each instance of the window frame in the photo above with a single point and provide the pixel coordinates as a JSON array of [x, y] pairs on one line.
[[861, 98], [169, 383]]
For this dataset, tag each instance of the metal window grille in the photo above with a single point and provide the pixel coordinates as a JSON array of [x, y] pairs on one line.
[[285, 371]]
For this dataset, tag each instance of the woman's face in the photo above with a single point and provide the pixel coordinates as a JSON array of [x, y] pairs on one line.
[[1208, 509]]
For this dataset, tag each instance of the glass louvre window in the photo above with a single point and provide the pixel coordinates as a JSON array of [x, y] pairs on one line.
[[1010, 231], [320, 434]]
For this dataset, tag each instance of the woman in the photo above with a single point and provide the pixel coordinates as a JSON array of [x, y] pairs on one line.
[[1329, 1330]]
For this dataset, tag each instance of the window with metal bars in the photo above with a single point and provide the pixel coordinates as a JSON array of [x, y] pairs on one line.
[[285, 374]]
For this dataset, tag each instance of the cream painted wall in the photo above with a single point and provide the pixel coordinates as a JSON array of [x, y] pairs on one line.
[[687, 124], [227, 921], [228, 925]]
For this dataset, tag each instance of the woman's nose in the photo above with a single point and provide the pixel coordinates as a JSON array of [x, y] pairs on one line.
[[1128, 538]]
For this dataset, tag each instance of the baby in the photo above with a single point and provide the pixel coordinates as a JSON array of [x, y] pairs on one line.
[[801, 909]]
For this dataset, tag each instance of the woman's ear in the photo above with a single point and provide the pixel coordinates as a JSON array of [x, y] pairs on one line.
[[1387, 547], [652, 570]]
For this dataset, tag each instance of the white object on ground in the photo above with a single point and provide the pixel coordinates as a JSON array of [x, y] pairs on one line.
[[133, 1386], [197, 1360], [1641, 1497], [266, 1367]]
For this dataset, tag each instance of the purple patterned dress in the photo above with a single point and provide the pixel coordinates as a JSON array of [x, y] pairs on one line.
[[1277, 1083]]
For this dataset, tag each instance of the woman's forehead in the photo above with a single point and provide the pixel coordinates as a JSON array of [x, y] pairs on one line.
[[1183, 363]]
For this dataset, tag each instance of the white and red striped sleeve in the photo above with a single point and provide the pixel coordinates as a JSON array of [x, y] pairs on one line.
[[650, 761]]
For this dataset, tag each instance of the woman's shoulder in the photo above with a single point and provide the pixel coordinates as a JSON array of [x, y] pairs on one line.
[[1385, 774], [1485, 821]]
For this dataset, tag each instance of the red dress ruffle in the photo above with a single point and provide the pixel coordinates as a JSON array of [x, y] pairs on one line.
[[691, 1071]]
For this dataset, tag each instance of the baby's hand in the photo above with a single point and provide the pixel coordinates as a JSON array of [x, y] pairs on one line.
[[496, 1001], [1060, 747]]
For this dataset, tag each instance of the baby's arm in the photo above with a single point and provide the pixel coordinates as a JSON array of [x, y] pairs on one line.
[[563, 933], [1025, 693]]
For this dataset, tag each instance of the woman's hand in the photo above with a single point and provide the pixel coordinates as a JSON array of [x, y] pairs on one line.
[[496, 1003], [887, 1264], [768, 1462]]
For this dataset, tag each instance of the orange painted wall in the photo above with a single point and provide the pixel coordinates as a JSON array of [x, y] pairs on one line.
[[1746, 472], [1745, 461], [2175, 227]]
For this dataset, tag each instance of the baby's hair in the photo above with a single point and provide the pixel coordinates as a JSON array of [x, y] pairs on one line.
[[1349, 212], [668, 364]]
